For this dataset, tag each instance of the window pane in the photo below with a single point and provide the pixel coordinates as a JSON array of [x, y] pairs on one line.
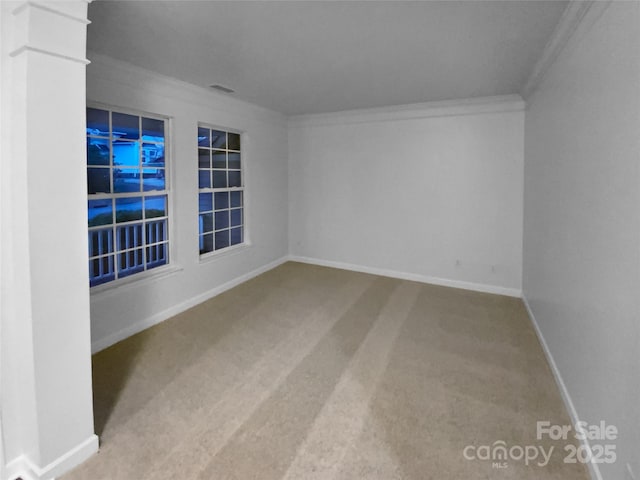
[[206, 243], [155, 206], [204, 178], [100, 242], [123, 164], [206, 222], [219, 179], [130, 262], [152, 129], [156, 231], [234, 160], [234, 178], [126, 154], [153, 179], [98, 180], [153, 155], [218, 139], [97, 122], [236, 236], [205, 202], [236, 217], [234, 141], [203, 137], [223, 162], [97, 151], [203, 158], [126, 180], [222, 239], [128, 209], [125, 126], [129, 236], [156, 255], [219, 159], [100, 212], [101, 270], [236, 199], [222, 219], [221, 200]]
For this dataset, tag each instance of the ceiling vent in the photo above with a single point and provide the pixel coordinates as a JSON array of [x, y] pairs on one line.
[[222, 89]]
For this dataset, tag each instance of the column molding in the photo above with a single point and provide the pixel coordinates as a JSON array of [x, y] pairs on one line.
[[49, 8], [51, 29], [27, 48], [46, 403]]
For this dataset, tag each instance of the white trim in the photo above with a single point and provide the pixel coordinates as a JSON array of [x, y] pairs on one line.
[[27, 48], [17, 468], [24, 468], [217, 254], [47, 8], [573, 16], [415, 277], [466, 106], [594, 469], [134, 281], [145, 323]]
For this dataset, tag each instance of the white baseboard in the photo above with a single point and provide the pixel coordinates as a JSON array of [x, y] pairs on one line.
[[22, 467], [145, 323], [594, 470], [477, 287]]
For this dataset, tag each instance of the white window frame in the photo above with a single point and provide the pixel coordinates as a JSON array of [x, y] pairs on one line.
[[170, 266], [204, 257]]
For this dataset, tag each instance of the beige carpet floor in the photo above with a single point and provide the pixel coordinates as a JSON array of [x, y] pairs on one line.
[[308, 372]]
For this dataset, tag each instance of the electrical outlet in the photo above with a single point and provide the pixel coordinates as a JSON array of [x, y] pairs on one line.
[[629, 475]]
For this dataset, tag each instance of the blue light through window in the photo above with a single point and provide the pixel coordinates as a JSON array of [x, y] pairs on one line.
[[127, 194]]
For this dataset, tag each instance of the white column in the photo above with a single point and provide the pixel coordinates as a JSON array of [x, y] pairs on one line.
[[45, 376]]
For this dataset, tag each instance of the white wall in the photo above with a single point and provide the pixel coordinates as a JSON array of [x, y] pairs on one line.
[[582, 220], [117, 313], [432, 191]]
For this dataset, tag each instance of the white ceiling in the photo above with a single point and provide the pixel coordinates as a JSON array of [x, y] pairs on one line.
[[312, 57]]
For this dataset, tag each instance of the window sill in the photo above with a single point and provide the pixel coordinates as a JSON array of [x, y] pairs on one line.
[[150, 276], [236, 249]]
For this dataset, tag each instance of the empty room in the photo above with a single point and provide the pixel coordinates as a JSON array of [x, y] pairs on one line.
[[319, 240]]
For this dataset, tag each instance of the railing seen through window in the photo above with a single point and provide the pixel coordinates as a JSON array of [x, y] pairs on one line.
[[128, 194]]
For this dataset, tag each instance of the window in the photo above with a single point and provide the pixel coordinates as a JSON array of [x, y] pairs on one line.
[[221, 191], [128, 194]]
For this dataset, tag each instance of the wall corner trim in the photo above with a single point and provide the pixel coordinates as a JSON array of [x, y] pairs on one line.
[[414, 277], [573, 16], [24, 468], [594, 470]]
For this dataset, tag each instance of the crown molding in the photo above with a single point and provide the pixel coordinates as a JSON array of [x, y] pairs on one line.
[[106, 68], [448, 108], [574, 16]]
